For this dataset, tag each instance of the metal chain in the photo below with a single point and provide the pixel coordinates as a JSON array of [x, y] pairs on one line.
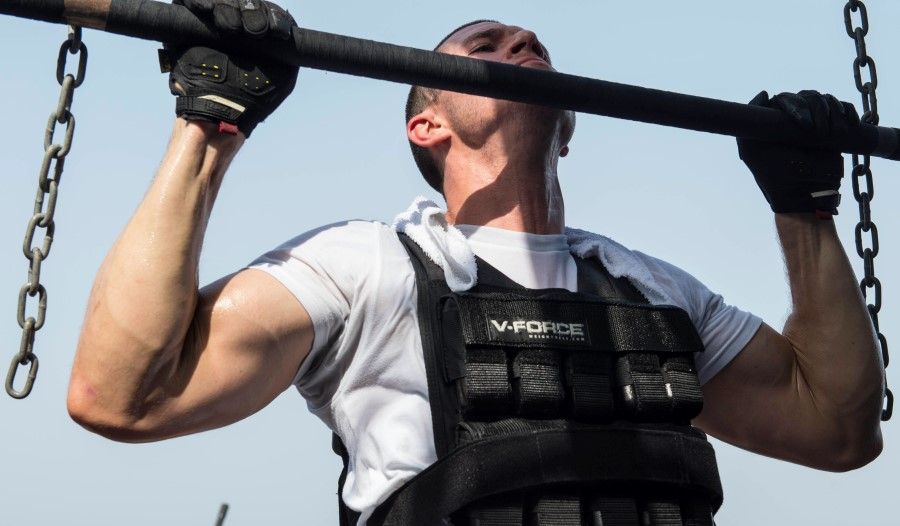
[[223, 510], [862, 175], [44, 210]]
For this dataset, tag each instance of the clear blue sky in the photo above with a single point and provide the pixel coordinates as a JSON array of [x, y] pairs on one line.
[[336, 150]]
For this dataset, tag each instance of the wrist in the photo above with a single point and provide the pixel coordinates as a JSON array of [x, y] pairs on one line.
[[198, 149], [803, 224], [207, 133], [812, 218]]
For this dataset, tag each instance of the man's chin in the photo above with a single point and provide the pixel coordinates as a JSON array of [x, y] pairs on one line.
[[534, 117]]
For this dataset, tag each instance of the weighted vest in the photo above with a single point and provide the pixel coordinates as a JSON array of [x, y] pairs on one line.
[[553, 408]]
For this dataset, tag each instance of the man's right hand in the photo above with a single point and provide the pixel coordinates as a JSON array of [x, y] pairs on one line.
[[236, 92]]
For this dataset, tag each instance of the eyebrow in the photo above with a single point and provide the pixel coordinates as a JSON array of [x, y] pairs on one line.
[[491, 33]]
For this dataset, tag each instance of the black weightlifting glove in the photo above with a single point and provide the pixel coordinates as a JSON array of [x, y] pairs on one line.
[[793, 178], [235, 91]]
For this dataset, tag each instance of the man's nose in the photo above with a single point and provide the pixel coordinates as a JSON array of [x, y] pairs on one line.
[[523, 41]]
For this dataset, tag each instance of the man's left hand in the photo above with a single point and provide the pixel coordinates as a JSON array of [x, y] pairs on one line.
[[797, 179]]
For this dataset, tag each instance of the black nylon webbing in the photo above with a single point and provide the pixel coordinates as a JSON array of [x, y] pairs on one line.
[[537, 383], [443, 399], [486, 387], [614, 511], [590, 386], [663, 512], [697, 513], [593, 278], [556, 510], [496, 511], [682, 381], [487, 320], [587, 455], [644, 390]]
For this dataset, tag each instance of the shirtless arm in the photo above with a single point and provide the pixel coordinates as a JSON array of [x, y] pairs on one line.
[[159, 358], [812, 394]]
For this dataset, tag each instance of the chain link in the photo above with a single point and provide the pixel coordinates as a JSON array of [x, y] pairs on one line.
[[863, 187], [44, 211]]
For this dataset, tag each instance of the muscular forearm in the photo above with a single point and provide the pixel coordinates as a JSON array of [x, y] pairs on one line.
[[829, 328], [146, 290]]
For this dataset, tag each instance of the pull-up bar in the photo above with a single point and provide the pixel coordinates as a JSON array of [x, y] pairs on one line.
[[152, 20]]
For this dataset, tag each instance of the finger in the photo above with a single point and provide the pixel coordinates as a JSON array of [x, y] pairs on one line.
[[796, 108], [809, 93], [820, 112], [850, 114], [255, 16], [280, 21], [837, 114], [227, 16], [761, 99], [198, 6]]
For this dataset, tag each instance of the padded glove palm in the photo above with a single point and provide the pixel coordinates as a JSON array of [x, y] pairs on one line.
[[794, 178], [227, 88]]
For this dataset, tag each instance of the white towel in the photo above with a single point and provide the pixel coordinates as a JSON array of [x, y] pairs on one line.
[[425, 223]]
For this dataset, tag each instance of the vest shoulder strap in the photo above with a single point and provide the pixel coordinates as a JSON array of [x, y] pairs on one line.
[[594, 278], [430, 288]]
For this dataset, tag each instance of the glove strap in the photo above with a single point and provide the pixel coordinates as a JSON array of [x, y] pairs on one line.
[[213, 108]]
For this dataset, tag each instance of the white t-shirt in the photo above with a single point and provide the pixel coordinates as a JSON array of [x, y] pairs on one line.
[[365, 376]]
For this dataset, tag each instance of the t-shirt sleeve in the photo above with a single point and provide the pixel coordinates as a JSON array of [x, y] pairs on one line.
[[724, 329], [317, 267]]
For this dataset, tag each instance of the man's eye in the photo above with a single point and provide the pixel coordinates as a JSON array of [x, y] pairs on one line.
[[484, 47]]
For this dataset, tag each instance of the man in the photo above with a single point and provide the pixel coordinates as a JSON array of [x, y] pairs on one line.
[[159, 358]]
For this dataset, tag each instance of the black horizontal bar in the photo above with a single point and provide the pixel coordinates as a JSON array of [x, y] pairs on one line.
[[152, 20]]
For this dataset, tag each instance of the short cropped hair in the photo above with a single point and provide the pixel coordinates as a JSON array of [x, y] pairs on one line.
[[420, 98]]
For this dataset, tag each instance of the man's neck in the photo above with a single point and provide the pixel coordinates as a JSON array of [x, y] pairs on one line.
[[522, 196]]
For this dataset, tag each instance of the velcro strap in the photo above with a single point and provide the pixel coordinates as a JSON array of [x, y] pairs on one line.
[[663, 513], [588, 376], [212, 108], [557, 510], [537, 387], [618, 454], [683, 387], [653, 392], [614, 511], [545, 383], [578, 322], [486, 388], [697, 513], [643, 390], [496, 511]]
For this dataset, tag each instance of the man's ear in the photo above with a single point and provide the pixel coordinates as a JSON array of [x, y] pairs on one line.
[[427, 129]]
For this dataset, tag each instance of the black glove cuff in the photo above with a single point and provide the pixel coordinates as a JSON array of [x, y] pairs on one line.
[[800, 200], [215, 108]]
